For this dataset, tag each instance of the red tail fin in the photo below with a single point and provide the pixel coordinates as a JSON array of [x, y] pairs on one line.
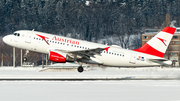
[[158, 44]]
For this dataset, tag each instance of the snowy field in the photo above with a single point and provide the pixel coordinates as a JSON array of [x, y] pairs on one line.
[[98, 90], [139, 90], [149, 73]]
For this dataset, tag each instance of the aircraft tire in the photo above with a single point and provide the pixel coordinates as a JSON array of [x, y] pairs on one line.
[[80, 69], [25, 59]]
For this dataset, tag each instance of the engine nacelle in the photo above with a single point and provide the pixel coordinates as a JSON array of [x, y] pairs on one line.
[[56, 57], [59, 57]]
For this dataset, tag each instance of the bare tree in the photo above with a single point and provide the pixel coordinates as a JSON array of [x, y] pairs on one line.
[[167, 21]]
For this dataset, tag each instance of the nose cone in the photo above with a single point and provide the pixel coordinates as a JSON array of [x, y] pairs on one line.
[[5, 39]]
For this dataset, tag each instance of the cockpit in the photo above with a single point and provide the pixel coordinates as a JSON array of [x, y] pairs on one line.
[[16, 34]]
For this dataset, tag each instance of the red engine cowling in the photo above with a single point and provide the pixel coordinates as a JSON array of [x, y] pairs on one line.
[[56, 57]]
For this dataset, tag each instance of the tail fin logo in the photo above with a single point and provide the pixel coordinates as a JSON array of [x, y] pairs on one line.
[[162, 40]]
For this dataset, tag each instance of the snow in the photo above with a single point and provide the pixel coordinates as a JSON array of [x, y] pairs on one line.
[[87, 3], [87, 90], [149, 73], [90, 90]]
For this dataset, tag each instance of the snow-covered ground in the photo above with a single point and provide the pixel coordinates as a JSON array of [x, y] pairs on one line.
[[113, 90], [140, 90], [96, 72]]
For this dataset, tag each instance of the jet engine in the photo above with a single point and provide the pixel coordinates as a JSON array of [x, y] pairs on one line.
[[60, 57]]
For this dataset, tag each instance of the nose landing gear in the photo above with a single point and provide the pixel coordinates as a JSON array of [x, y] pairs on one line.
[[25, 56], [24, 59]]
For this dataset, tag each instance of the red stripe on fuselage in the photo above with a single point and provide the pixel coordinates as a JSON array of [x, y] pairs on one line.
[[149, 50]]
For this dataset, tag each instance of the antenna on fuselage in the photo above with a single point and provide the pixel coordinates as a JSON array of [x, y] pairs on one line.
[[33, 30]]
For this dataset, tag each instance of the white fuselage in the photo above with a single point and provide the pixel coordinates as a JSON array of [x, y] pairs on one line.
[[115, 56]]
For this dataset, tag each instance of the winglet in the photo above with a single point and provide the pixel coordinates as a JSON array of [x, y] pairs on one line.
[[107, 48]]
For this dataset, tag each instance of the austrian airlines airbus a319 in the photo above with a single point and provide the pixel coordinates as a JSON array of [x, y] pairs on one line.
[[62, 49]]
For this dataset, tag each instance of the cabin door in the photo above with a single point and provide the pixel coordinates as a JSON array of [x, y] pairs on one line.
[[28, 37]]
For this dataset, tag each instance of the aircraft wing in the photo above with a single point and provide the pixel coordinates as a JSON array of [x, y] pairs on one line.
[[161, 61], [88, 53], [84, 53]]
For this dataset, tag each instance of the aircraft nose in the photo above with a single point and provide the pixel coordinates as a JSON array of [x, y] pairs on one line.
[[5, 39]]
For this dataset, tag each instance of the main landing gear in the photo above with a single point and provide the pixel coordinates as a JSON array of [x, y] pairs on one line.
[[80, 69]]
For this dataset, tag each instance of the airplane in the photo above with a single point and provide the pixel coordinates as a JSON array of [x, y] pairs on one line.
[[62, 49]]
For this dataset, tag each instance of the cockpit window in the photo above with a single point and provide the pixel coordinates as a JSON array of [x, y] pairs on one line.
[[16, 34]]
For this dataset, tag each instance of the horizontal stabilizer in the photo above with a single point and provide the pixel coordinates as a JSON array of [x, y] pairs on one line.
[[163, 62]]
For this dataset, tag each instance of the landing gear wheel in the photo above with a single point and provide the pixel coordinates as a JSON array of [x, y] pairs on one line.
[[25, 59], [80, 69]]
